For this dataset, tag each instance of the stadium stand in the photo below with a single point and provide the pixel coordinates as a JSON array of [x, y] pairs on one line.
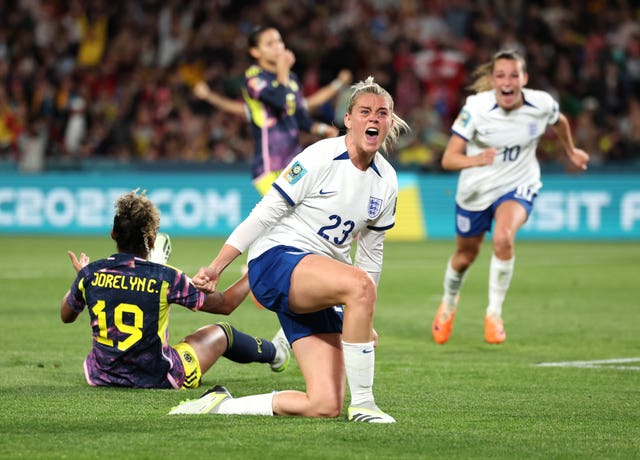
[[110, 81]]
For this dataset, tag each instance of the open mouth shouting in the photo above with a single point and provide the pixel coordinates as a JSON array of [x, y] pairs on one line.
[[371, 134], [508, 96]]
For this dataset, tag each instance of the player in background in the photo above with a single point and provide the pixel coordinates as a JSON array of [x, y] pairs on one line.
[[336, 192], [240, 108], [493, 144], [278, 113], [129, 297]]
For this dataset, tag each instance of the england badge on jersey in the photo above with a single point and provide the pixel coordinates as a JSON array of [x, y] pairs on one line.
[[375, 206]]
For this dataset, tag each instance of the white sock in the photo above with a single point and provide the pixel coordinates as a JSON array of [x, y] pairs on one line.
[[359, 362], [248, 405], [500, 273], [452, 285]]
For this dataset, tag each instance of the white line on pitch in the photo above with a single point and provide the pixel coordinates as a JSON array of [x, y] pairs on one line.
[[598, 363]]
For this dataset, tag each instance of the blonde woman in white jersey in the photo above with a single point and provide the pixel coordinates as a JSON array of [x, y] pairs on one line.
[[335, 193], [493, 144]]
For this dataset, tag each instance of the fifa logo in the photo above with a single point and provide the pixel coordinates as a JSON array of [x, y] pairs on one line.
[[295, 173]]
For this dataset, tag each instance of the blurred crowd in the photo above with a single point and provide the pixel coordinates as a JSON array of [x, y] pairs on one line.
[[113, 79]]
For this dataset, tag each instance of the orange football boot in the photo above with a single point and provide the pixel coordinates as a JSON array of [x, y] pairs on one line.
[[494, 330], [442, 324]]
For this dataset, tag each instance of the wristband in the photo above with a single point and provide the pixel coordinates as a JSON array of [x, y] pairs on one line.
[[336, 84]]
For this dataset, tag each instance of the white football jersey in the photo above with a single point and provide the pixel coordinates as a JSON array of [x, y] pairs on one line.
[[332, 202], [515, 135]]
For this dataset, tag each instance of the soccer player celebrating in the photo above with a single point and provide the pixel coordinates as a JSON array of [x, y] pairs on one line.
[[299, 236], [275, 106], [128, 298], [493, 144]]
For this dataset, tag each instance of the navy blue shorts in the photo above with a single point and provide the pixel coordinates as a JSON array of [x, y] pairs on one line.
[[270, 281], [473, 223]]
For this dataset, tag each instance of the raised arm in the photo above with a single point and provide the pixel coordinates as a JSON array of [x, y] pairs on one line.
[[78, 263], [328, 92], [204, 92]]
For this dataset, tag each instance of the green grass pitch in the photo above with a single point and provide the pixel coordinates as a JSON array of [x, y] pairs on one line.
[[568, 302]]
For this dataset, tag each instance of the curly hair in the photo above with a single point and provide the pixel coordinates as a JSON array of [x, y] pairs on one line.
[[135, 223], [368, 86]]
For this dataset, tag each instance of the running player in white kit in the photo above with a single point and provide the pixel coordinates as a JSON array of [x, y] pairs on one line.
[[299, 238], [493, 144]]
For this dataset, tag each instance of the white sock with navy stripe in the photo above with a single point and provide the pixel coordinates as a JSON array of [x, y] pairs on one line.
[[359, 361]]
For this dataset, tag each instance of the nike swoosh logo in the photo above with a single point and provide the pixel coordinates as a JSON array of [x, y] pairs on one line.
[[367, 350], [322, 192]]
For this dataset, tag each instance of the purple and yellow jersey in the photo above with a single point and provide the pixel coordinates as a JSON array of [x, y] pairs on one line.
[[128, 299], [278, 113]]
